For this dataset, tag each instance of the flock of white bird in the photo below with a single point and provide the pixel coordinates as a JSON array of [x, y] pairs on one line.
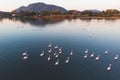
[[98, 57], [58, 50]]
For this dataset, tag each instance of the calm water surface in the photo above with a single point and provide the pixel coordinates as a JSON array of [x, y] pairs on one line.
[[78, 35]]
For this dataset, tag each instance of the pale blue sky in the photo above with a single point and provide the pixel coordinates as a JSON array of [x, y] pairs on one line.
[[9, 5]]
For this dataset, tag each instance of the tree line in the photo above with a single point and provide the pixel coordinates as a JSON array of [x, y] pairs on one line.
[[85, 13]]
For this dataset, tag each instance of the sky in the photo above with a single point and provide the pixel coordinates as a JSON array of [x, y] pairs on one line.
[[9, 5]]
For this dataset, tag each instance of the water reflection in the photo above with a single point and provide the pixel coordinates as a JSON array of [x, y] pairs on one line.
[[44, 22], [108, 19], [37, 22]]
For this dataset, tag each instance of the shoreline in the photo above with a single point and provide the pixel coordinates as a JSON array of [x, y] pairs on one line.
[[99, 17], [76, 17], [61, 17]]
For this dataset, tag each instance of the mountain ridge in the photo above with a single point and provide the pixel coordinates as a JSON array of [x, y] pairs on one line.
[[40, 7]]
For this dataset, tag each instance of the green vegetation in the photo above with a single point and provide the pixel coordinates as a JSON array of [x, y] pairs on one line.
[[71, 13], [4, 14], [109, 13]]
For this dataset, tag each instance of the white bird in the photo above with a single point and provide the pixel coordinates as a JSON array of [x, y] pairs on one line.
[[42, 53], [56, 46], [85, 56], [97, 58], [60, 49], [92, 55], [50, 50], [50, 45], [67, 60], [106, 52], [25, 53], [25, 57], [56, 55], [60, 52], [86, 51], [56, 63], [49, 58], [116, 57], [109, 67], [71, 53]]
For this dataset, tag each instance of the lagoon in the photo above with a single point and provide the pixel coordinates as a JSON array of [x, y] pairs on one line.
[[33, 36]]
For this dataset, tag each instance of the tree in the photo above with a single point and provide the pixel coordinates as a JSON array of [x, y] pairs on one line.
[[46, 13], [87, 13], [111, 12], [57, 12]]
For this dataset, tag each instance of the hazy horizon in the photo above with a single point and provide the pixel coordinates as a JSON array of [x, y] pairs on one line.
[[69, 5]]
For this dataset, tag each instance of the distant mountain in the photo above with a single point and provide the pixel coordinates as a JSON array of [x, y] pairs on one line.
[[40, 7], [74, 11], [93, 10]]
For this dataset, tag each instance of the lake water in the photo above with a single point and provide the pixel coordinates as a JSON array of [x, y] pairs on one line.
[[33, 36]]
